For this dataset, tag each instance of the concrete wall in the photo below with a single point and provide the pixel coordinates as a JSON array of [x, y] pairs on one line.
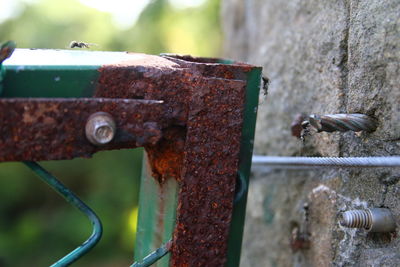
[[322, 57]]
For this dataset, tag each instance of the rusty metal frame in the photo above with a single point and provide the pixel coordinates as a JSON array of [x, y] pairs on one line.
[[189, 115]]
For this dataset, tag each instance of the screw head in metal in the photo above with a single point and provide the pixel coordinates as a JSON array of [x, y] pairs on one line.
[[100, 128]]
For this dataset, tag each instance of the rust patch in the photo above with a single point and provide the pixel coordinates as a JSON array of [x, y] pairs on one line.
[[144, 82], [204, 102], [52, 129], [210, 67], [166, 157], [209, 173]]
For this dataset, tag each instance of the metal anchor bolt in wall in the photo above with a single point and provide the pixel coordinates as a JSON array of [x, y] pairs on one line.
[[343, 122], [100, 128], [332, 122], [372, 220]]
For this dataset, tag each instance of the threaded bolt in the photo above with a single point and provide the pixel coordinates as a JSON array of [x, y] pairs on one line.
[[357, 219], [100, 128], [372, 220]]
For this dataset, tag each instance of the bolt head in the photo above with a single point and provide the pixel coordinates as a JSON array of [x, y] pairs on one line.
[[100, 128]]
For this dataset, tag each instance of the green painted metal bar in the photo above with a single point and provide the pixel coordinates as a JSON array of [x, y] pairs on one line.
[[154, 256], [46, 73], [246, 151], [241, 188], [56, 73], [156, 218], [71, 198]]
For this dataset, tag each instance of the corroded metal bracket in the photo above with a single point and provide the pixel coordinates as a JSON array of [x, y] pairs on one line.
[[53, 129], [194, 116]]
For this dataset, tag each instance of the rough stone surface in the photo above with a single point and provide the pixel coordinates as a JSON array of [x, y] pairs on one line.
[[322, 57]]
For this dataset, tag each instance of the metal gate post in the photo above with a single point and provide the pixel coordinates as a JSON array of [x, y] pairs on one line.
[[194, 116]]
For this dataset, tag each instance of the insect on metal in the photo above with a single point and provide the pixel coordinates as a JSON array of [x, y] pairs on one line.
[[74, 44]]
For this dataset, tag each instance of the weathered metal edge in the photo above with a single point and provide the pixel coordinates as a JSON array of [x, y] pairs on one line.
[[246, 151]]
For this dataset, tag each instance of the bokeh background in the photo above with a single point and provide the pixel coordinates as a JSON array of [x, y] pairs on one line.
[[36, 225]]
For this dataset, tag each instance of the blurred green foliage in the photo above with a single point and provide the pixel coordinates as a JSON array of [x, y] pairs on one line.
[[37, 226], [161, 28]]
